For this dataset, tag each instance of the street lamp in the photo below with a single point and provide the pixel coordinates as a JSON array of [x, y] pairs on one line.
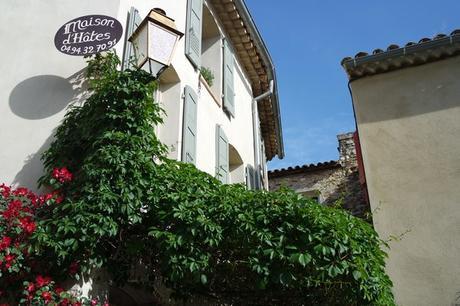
[[154, 42]]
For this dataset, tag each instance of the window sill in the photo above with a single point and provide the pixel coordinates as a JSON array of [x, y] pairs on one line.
[[206, 85]]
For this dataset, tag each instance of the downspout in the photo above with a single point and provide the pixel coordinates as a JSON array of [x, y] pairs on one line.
[[255, 128], [246, 16]]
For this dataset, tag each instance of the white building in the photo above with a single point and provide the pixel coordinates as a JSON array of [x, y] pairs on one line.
[[229, 129]]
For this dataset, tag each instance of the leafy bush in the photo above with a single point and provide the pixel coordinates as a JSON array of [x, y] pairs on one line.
[[128, 205], [21, 280]]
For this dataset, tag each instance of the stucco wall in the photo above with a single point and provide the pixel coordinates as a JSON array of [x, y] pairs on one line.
[[409, 126], [39, 82]]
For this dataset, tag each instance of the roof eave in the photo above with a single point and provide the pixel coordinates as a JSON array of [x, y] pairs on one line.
[[255, 34], [361, 66]]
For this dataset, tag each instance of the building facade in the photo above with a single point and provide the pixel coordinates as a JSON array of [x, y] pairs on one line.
[[334, 182], [229, 128], [407, 108]]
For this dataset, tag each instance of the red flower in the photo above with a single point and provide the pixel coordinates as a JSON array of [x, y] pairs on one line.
[[5, 243], [21, 191], [46, 296], [31, 287], [58, 290], [5, 190], [9, 258], [73, 268], [76, 304], [42, 281], [27, 225], [63, 175], [94, 302], [48, 196], [13, 209]]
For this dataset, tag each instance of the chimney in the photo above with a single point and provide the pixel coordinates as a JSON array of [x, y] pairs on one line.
[[347, 150]]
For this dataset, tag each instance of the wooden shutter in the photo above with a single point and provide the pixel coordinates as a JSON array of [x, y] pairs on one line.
[[189, 126], [250, 180], [222, 162], [134, 20], [263, 165], [193, 31], [229, 92]]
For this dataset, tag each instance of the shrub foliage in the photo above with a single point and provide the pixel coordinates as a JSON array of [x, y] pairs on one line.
[[128, 206]]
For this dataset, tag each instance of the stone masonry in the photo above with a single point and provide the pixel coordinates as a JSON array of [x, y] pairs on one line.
[[328, 182]]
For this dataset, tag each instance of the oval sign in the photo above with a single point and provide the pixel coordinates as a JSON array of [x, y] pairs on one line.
[[88, 35]]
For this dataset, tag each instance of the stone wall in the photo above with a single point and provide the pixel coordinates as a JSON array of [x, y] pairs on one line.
[[330, 182]]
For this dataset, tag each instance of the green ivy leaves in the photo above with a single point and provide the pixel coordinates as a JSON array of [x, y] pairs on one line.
[[128, 204]]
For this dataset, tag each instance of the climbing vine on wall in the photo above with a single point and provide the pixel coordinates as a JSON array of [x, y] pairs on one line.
[[128, 206]]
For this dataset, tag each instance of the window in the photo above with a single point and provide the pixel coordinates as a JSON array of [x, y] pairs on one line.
[[170, 93], [211, 51], [236, 166]]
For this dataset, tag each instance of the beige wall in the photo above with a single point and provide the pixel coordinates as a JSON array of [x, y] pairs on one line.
[[39, 82], [409, 126]]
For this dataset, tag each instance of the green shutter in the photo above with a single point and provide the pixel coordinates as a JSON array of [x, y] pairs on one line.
[[193, 31], [222, 162], [189, 126], [262, 165], [134, 20], [250, 183], [229, 92]]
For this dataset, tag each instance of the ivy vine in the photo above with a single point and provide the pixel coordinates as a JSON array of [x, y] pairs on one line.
[[128, 206]]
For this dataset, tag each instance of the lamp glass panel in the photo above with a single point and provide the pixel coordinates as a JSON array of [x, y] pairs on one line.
[[140, 46], [161, 43]]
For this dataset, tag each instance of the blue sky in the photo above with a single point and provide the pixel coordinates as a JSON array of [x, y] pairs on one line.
[[307, 40]]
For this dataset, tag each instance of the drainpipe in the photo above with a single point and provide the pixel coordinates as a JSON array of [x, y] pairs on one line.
[[255, 129]]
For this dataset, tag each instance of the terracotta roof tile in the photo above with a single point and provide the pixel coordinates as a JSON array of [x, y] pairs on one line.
[[302, 169], [396, 57]]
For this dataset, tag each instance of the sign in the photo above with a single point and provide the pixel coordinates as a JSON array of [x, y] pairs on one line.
[[88, 35]]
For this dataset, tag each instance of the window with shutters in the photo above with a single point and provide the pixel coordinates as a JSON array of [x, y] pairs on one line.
[[228, 79], [211, 51], [170, 98], [134, 20], [189, 126], [222, 156], [250, 178], [193, 32]]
